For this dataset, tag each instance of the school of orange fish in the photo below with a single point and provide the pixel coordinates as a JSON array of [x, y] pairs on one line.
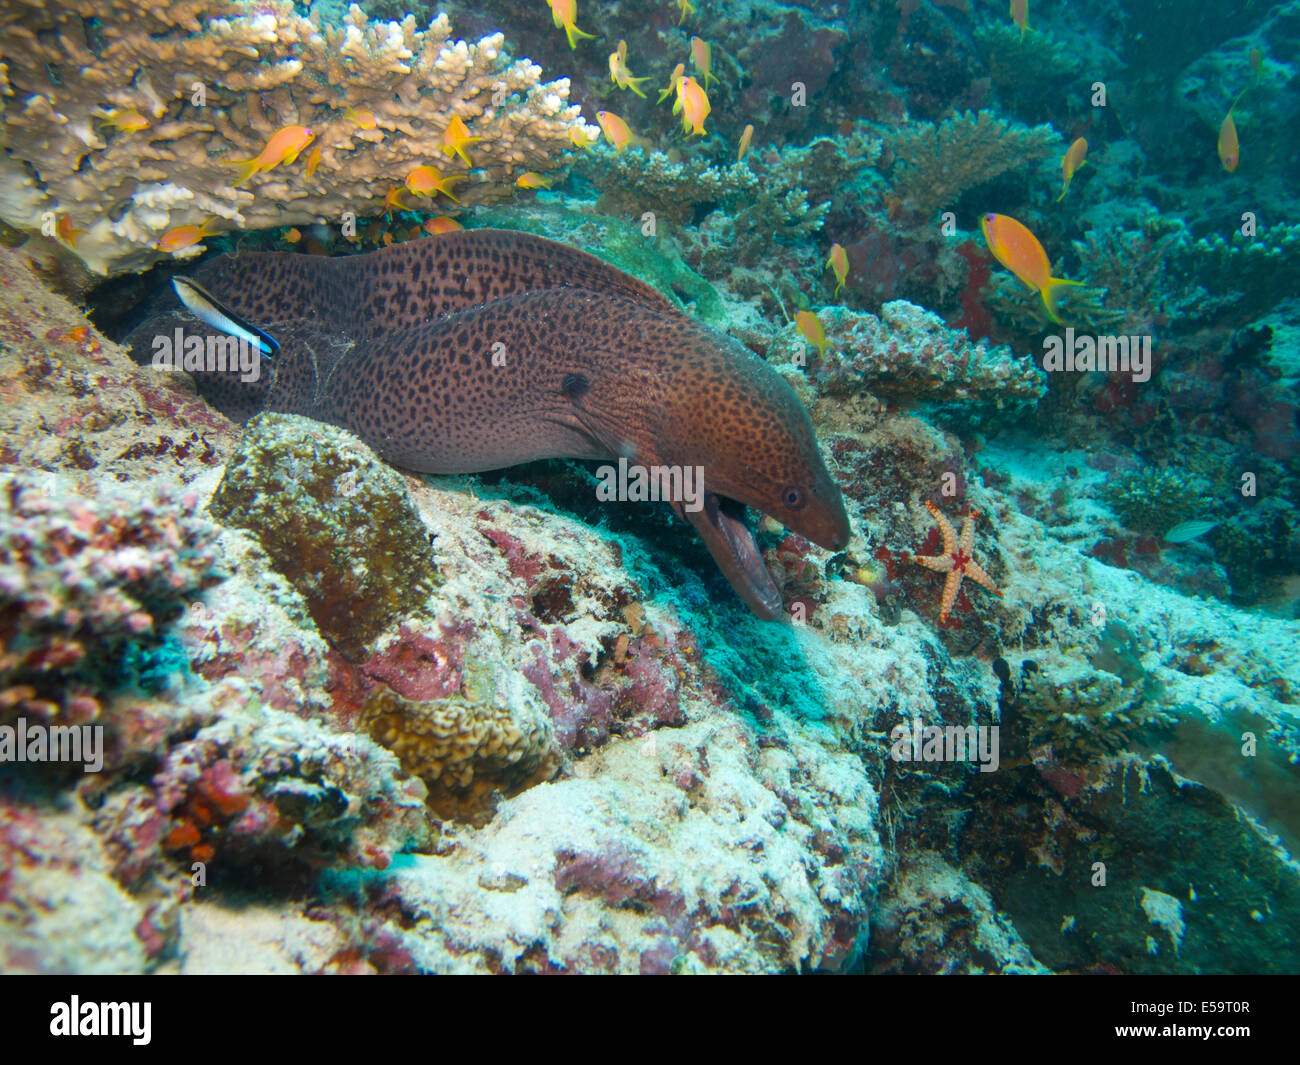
[[1009, 241]]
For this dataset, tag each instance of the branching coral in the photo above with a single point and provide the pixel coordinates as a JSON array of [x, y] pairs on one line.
[[909, 353], [935, 163], [1022, 61], [210, 82], [778, 195]]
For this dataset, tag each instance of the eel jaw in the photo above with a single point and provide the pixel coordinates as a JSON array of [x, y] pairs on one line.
[[721, 526]]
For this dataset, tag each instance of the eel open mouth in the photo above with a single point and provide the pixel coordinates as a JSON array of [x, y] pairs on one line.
[[721, 524]]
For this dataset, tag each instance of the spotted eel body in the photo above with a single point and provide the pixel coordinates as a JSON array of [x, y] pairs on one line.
[[480, 349]]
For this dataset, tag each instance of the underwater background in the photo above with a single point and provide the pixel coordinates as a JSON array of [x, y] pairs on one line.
[[269, 703]]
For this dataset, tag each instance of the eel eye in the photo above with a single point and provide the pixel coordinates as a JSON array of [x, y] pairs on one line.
[[792, 497]]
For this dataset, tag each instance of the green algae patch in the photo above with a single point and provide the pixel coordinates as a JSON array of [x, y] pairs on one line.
[[654, 260], [336, 521]]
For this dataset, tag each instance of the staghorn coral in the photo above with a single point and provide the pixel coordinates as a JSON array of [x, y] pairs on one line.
[[334, 519], [910, 353], [64, 69], [83, 579], [935, 163]]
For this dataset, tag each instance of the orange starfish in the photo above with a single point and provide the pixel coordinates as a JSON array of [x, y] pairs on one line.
[[956, 560]]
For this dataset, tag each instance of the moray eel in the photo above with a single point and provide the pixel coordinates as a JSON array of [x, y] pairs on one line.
[[480, 349]]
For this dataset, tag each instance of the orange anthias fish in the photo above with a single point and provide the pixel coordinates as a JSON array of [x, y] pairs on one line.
[[126, 121], [1229, 146], [393, 202], [679, 72], [811, 328], [186, 236], [616, 130], [361, 119], [442, 224], [1074, 158], [456, 138], [619, 73], [693, 103], [839, 262], [565, 13], [65, 231], [283, 147], [293, 236], [1020, 15], [702, 57], [428, 180], [313, 161], [530, 180], [1020, 252], [745, 138]]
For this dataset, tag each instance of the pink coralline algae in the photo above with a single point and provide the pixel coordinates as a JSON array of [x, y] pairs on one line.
[[81, 576]]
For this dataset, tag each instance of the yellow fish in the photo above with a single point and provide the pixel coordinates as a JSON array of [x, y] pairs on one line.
[[565, 13], [442, 224], [1074, 158], [745, 138], [679, 71], [293, 236], [126, 121], [1229, 146], [1020, 15], [283, 147], [616, 130], [313, 161], [578, 136], [393, 201], [702, 57], [839, 262], [531, 180], [693, 102], [687, 9], [361, 119], [1020, 252], [428, 180], [456, 138], [619, 73], [186, 236], [65, 231], [811, 328]]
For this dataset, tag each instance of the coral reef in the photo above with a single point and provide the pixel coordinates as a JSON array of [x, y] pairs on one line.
[[85, 582], [213, 80], [335, 521], [908, 353], [935, 163]]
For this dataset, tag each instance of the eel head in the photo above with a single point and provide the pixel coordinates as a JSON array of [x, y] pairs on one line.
[[732, 415]]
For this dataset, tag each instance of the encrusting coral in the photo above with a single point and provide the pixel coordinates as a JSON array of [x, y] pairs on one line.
[[201, 84], [336, 521], [82, 578]]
